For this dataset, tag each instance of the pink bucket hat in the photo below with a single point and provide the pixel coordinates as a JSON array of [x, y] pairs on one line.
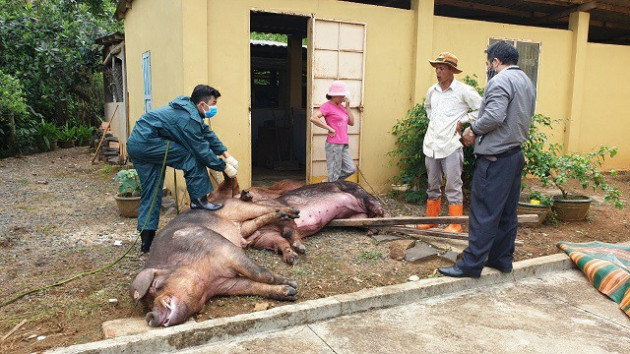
[[338, 88]]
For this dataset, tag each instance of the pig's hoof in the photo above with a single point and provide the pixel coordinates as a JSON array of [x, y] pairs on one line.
[[290, 293], [299, 247], [292, 283], [293, 213], [290, 257], [246, 196]]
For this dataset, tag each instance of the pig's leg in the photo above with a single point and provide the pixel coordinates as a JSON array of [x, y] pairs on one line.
[[247, 268], [273, 240], [244, 286], [250, 226], [290, 232], [241, 211]]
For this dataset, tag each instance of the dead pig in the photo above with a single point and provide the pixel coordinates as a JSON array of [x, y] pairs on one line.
[[318, 204], [198, 255]]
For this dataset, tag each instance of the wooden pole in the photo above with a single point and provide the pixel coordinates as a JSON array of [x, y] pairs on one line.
[[404, 220], [98, 148], [432, 233]]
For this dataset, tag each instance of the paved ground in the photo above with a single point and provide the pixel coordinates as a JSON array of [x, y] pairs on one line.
[[561, 313]]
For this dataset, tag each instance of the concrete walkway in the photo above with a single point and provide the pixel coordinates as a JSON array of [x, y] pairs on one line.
[[559, 313]]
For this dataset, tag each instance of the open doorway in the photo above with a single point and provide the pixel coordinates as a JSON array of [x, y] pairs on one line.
[[278, 97]]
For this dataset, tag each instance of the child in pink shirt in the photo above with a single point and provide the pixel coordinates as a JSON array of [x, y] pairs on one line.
[[336, 120]]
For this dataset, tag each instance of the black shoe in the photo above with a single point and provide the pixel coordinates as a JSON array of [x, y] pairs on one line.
[[147, 238], [203, 203], [456, 272], [500, 269]]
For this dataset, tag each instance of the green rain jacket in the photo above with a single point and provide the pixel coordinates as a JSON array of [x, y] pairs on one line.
[[181, 122]]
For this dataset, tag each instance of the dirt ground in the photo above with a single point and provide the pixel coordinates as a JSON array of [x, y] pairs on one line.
[[58, 218]]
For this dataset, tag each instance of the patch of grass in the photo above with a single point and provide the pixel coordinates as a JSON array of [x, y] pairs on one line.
[[299, 271], [48, 227], [371, 255], [107, 169], [24, 182]]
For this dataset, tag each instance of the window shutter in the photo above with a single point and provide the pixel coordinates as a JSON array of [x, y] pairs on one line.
[[146, 74]]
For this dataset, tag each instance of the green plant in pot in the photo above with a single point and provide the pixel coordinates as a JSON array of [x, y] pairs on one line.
[[47, 136], [552, 167], [84, 135], [67, 136], [535, 203], [129, 189]]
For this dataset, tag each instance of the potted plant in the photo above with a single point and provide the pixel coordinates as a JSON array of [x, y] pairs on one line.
[[67, 137], [535, 203], [84, 135], [128, 198], [47, 134], [552, 167]]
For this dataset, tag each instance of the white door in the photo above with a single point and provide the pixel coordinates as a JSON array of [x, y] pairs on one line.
[[337, 52]]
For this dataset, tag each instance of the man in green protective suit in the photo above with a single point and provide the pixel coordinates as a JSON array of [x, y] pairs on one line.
[[193, 148]]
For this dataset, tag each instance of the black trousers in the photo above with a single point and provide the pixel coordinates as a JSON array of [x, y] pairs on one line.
[[493, 220]]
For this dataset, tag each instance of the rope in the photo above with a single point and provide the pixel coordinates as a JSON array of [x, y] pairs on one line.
[[98, 270], [374, 193]]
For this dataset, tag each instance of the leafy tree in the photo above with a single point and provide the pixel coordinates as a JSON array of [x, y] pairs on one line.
[[13, 112], [49, 47]]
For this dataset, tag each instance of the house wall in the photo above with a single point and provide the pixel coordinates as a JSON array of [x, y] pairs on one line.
[[388, 75], [606, 102], [468, 39], [207, 41]]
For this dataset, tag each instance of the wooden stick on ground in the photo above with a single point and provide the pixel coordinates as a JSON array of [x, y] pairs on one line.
[[98, 148], [13, 330], [404, 220], [433, 233]]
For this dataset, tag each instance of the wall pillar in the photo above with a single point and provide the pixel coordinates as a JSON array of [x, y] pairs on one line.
[[294, 60], [424, 47], [578, 24]]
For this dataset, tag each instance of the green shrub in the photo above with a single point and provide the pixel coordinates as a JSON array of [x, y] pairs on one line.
[[84, 134], [49, 46], [68, 133], [552, 167], [47, 133], [15, 120]]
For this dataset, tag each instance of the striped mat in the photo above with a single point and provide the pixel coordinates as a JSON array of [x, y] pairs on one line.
[[606, 266]]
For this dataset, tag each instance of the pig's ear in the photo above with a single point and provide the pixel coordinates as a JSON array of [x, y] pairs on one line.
[[142, 283]]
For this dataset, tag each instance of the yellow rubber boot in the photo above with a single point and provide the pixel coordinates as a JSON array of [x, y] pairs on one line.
[[434, 207], [455, 210]]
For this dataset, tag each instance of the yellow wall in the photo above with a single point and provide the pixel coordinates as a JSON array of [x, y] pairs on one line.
[[468, 40], [207, 41], [606, 102], [154, 26], [388, 75]]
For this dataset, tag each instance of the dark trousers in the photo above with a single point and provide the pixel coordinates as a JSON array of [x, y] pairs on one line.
[[493, 220]]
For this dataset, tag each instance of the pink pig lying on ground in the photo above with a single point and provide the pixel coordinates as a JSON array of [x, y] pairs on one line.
[[318, 204]]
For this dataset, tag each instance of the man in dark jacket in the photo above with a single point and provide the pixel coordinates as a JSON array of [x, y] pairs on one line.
[[504, 118], [193, 148]]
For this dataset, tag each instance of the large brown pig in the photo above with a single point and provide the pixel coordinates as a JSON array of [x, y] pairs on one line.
[[318, 204], [198, 255]]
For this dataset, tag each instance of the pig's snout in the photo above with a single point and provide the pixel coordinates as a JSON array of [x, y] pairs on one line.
[[169, 311], [153, 319]]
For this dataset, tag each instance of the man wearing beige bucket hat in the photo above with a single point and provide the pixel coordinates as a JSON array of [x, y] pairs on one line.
[[447, 104]]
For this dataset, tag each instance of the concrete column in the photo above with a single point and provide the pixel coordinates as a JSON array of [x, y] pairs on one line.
[[294, 61], [424, 47], [578, 24]]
